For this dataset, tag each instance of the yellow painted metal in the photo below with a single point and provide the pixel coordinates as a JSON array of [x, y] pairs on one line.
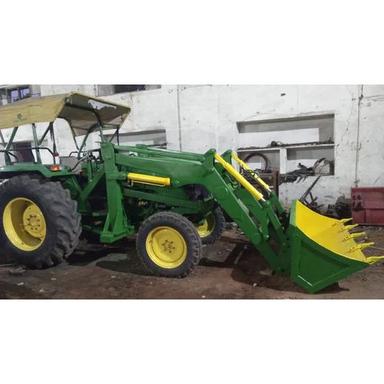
[[239, 178], [365, 245], [207, 226], [331, 234], [166, 247], [254, 174], [148, 179], [34, 222], [358, 234], [375, 259], [348, 227], [24, 224]]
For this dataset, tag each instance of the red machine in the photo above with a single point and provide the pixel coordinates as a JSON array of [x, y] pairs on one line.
[[368, 205]]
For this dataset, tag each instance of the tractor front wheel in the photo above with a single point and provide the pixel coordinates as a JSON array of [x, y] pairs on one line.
[[168, 245], [211, 228], [40, 224]]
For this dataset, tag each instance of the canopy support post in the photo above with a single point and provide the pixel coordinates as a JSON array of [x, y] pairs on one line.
[[8, 146], [36, 143], [2, 139], [10, 142], [53, 139], [45, 133]]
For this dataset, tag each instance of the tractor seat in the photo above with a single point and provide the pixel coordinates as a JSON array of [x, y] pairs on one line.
[[25, 155]]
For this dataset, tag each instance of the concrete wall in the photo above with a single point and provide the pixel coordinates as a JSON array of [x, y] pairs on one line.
[[55, 89], [200, 117]]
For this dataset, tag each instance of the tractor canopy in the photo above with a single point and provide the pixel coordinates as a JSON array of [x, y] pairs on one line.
[[82, 112]]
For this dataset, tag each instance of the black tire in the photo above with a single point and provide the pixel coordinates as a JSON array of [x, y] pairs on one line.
[[218, 223], [184, 228], [63, 222], [248, 159]]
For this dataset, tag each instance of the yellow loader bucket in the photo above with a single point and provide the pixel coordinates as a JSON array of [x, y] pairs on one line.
[[323, 250]]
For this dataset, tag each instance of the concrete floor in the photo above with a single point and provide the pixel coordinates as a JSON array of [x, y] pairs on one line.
[[231, 269]]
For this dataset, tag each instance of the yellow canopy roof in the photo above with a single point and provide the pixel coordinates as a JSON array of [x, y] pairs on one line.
[[79, 110]]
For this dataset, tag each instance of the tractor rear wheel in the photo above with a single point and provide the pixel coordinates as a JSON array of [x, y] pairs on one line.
[[168, 245], [211, 228], [40, 223]]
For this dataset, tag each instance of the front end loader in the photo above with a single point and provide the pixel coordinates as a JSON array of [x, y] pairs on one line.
[[172, 201]]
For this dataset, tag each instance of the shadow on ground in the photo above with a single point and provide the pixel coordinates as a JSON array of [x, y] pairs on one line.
[[229, 269]]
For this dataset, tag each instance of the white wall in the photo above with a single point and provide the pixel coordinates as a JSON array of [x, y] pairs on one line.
[[56, 89], [197, 118]]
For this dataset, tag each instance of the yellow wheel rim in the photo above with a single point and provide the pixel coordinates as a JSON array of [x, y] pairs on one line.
[[166, 247], [207, 226], [24, 224]]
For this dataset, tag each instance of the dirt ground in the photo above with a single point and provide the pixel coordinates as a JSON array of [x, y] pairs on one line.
[[230, 269]]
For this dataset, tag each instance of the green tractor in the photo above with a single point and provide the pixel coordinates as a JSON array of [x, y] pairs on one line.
[[172, 201]]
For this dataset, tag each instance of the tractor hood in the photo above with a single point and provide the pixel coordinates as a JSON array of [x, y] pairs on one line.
[[82, 112]]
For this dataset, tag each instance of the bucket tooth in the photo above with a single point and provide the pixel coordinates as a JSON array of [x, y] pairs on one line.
[[348, 227], [374, 259], [365, 245], [343, 221], [360, 247], [357, 234], [354, 235]]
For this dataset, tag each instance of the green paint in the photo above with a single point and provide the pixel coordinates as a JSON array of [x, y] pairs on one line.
[[314, 267], [113, 207]]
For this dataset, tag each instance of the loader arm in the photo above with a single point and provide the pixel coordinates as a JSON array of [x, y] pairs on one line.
[[316, 250], [314, 255]]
